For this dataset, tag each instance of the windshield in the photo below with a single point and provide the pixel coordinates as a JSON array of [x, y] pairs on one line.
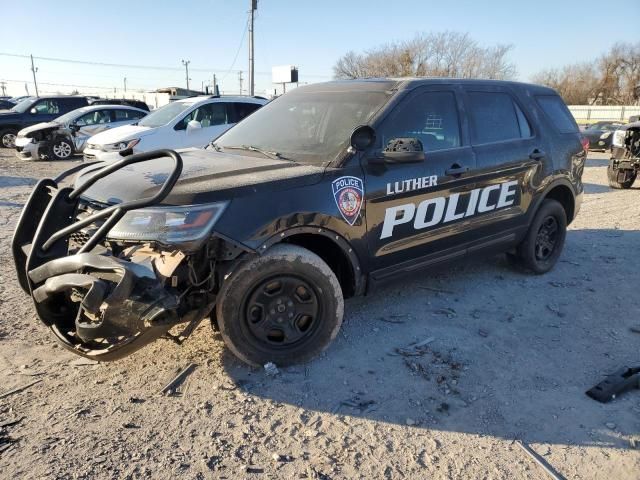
[[164, 115], [306, 126], [24, 105]]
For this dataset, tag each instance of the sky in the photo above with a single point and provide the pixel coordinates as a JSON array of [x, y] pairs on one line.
[[211, 34]]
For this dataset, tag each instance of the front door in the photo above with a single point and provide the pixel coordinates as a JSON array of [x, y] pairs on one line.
[[212, 120], [416, 209], [90, 124]]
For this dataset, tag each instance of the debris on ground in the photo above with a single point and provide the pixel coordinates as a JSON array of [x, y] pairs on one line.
[[171, 387], [19, 389], [539, 460], [271, 369]]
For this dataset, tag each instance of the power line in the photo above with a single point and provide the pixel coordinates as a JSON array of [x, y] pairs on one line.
[[149, 67], [244, 34]]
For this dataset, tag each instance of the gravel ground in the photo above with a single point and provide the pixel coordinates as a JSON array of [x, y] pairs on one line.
[[510, 357]]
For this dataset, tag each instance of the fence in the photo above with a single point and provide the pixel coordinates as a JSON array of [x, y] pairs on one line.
[[590, 114]]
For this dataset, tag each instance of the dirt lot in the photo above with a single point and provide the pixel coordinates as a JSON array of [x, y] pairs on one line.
[[511, 358]]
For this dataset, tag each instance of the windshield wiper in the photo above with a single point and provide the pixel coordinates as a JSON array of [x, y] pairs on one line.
[[251, 148]]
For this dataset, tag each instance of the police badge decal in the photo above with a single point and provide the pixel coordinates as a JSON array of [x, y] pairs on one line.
[[348, 193]]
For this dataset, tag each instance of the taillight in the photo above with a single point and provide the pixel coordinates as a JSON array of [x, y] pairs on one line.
[[585, 144]]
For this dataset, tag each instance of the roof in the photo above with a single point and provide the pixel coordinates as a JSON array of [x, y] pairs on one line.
[[237, 98], [377, 84], [93, 108]]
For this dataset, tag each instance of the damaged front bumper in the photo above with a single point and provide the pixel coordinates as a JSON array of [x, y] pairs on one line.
[[96, 304]]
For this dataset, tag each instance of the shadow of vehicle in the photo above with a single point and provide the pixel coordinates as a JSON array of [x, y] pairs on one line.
[[498, 352]]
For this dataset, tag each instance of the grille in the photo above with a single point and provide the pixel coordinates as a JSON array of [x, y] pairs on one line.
[[79, 238]]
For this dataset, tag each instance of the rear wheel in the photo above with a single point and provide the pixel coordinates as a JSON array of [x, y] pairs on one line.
[[60, 149], [8, 138], [620, 178], [285, 306], [542, 246]]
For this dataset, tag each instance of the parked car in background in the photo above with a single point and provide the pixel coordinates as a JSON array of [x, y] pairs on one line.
[[600, 134], [624, 164], [191, 122], [120, 101], [68, 134], [6, 104], [17, 100], [35, 110]]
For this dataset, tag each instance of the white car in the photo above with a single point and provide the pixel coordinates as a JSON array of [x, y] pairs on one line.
[[68, 134], [191, 122]]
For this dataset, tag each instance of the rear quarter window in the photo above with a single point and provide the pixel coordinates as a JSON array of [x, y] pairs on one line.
[[555, 109]]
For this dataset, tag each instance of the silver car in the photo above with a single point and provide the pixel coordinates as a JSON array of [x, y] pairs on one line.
[[68, 134]]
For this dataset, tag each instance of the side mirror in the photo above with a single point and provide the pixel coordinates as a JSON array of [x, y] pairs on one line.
[[74, 127], [33, 111], [193, 125], [362, 138], [403, 150]]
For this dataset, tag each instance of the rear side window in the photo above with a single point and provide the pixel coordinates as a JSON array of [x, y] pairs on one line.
[[122, 115], [494, 117], [243, 110], [558, 113]]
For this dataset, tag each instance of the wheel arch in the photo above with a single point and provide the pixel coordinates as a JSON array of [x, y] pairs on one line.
[[334, 249], [563, 194]]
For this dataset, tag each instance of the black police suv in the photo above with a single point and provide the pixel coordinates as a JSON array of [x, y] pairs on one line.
[[323, 194], [34, 110]]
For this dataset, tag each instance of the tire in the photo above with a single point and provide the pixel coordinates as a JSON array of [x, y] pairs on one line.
[[60, 149], [543, 243], [8, 138], [285, 306], [612, 176]]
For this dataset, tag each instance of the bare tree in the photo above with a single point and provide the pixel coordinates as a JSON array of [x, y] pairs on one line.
[[612, 79], [439, 54]]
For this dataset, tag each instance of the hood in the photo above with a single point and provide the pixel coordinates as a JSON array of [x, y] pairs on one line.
[[121, 134], [8, 114], [38, 126], [207, 176]]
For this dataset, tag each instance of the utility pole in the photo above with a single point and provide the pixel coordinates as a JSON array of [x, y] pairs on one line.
[[186, 69], [3, 85], [240, 80], [125, 84], [34, 70], [254, 7]]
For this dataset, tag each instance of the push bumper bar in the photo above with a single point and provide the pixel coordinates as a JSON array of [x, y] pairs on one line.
[[98, 306]]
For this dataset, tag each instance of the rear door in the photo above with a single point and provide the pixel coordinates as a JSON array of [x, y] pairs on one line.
[[510, 157], [415, 210]]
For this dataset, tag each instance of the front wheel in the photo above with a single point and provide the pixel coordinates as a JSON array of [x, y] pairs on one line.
[[620, 178], [60, 149], [285, 306], [8, 138], [542, 246]]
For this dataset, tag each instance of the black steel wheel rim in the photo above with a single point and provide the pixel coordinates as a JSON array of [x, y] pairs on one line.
[[282, 311], [547, 238]]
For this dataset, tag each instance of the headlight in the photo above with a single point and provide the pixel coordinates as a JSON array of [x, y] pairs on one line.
[[117, 147], [169, 225], [605, 135], [618, 138]]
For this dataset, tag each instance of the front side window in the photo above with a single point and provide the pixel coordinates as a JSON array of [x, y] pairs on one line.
[[208, 115], [94, 118], [47, 107], [494, 117], [431, 117]]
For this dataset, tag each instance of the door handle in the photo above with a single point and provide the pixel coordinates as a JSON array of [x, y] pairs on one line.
[[537, 154], [456, 170]]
